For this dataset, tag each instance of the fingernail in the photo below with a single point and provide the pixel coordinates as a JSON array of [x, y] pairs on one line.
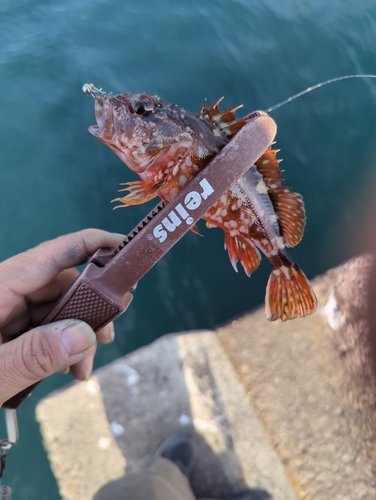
[[77, 338], [119, 235], [112, 335]]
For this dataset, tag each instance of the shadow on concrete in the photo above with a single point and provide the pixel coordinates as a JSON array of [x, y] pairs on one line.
[[153, 398], [250, 494]]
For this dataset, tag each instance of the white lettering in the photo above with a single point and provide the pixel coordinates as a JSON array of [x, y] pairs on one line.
[[192, 200], [207, 189], [181, 211], [160, 233], [172, 224]]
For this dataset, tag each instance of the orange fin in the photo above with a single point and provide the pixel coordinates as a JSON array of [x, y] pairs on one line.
[[196, 231], [213, 109], [139, 192], [288, 206], [289, 294], [226, 116], [242, 250], [232, 128], [225, 120]]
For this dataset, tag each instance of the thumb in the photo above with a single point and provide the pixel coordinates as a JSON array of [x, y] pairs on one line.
[[41, 352]]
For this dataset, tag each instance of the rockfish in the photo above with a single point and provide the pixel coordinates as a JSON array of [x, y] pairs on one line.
[[167, 146]]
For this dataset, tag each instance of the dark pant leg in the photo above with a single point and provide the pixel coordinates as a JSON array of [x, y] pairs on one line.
[[160, 480]]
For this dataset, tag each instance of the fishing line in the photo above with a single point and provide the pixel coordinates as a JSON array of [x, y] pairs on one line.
[[321, 84]]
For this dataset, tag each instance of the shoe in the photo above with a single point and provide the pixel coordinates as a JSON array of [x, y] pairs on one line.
[[178, 449]]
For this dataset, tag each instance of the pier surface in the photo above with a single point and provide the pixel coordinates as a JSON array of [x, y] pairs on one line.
[[286, 409]]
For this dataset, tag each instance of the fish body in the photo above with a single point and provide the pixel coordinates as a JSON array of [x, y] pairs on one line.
[[167, 146]]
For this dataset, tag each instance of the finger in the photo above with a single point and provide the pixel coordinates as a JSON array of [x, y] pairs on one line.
[[35, 318], [31, 270], [44, 300], [56, 288], [28, 315], [106, 334], [41, 352], [82, 370]]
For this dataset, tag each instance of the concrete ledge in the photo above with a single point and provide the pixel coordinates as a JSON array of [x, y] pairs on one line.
[[312, 385], [179, 381], [286, 408], [79, 441]]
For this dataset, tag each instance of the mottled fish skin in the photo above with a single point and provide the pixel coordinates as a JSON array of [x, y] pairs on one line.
[[167, 146]]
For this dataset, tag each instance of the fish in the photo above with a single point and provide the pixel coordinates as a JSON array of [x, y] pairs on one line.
[[167, 146]]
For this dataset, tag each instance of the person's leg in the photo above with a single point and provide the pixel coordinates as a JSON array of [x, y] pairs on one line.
[[161, 480], [164, 476]]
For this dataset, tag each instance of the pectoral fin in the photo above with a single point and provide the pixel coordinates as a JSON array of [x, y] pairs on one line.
[[139, 192], [288, 206]]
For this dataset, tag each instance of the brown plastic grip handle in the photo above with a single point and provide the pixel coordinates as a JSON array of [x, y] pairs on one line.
[[86, 304]]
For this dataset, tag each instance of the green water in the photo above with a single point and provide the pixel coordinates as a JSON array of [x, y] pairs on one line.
[[55, 178]]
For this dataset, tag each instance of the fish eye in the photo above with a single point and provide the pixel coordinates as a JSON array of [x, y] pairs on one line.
[[142, 104]]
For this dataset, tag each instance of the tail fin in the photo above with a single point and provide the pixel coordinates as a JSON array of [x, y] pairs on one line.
[[289, 294], [243, 250]]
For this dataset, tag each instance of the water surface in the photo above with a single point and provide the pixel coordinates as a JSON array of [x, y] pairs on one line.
[[55, 178]]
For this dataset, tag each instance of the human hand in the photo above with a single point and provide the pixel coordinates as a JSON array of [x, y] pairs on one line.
[[30, 285]]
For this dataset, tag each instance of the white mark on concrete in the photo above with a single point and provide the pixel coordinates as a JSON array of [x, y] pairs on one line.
[[92, 387], [212, 426], [131, 376], [104, 442], [185, 421], [330, 311], [116, 429]]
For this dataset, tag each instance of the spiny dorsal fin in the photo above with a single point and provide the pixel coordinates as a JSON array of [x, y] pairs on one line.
[[226, 116], [232, 128], [225, 120], [214, 109], [288, 206]]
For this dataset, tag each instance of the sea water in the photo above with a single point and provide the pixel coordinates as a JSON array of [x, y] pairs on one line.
[[56, 179]]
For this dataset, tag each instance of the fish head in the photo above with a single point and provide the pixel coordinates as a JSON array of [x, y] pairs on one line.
[[146, 132]]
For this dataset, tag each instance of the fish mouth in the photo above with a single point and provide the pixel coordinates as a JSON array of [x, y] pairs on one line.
[[105, 118]]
